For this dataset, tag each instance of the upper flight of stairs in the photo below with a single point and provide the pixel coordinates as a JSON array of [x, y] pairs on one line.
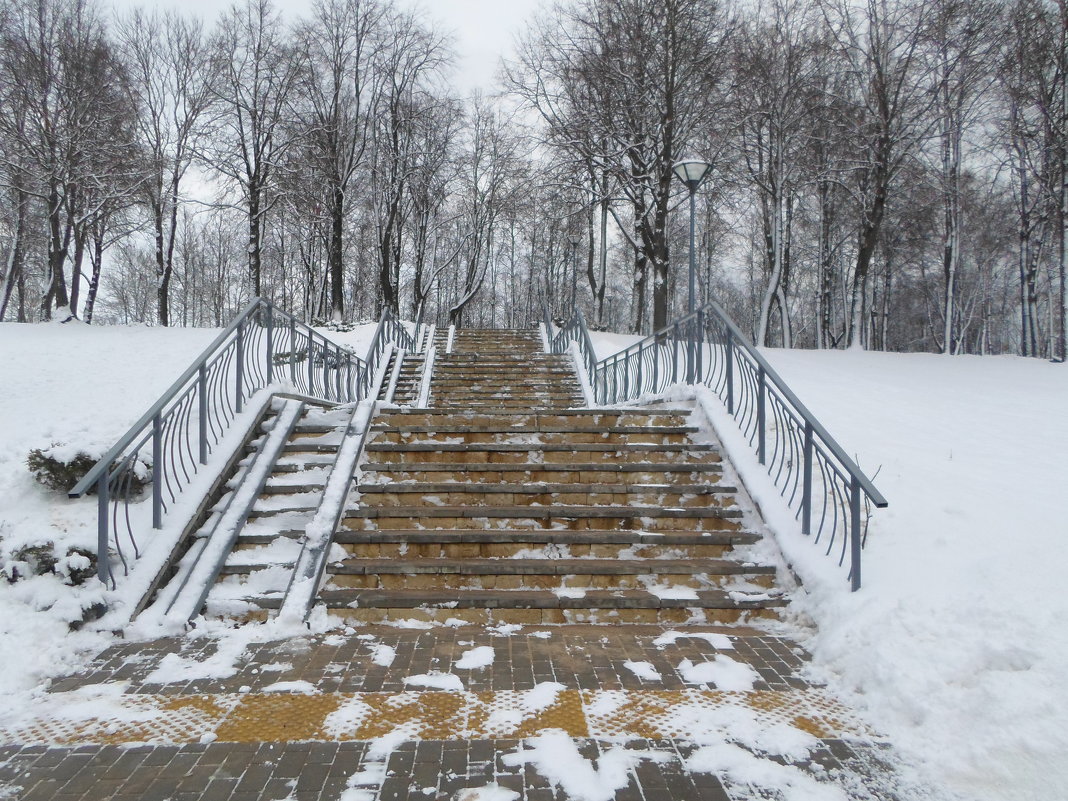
[[503, 502]]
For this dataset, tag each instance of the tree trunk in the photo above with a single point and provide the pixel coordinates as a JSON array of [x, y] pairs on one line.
[[337, 274]]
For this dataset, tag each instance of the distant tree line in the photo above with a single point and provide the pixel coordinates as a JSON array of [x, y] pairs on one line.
[[890, 174]]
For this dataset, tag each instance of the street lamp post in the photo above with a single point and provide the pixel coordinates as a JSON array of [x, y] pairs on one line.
[[692, 172], [574, 270]]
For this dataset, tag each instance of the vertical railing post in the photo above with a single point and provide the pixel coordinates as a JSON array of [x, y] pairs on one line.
[[854, 532], [239, 386], [806, 482], [293, 350], [337, 373], [311, 366], [202, 406], [103, 566], [729, 347], [700, 347], [675, 356], [270, 343], [656, 366], [157, 471], [762, 392], [326, 371]]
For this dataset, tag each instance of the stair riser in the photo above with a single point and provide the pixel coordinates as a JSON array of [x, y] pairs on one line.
[[532, 439], [474, 498], [536, 617], [505, 550], [522, 457], [558, 523], [547, 420], [553, 476], [432, 581]]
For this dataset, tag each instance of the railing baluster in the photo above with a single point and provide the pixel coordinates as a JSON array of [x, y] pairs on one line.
[[157, 471], [293, 350], [762, 391], [270, 344], [806, 482], [729, 346], [855, 533], [239, 394], [202, 407], [103, 566]]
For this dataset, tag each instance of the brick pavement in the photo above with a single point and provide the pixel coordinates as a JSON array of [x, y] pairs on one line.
[[280, 745]]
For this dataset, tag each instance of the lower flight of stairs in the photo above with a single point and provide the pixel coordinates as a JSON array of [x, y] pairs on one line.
[[504, 504], [257, 571]]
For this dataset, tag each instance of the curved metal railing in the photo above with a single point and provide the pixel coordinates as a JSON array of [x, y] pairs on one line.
[[813, 473], [143, 475]]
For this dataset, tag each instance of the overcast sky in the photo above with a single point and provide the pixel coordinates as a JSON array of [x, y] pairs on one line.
[[484, 29]]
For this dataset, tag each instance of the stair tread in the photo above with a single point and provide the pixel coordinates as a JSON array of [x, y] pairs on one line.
[[515, 467], [483, 566], [544, 599], [541, 488], [528, 512], [545, 535], [593, 447]]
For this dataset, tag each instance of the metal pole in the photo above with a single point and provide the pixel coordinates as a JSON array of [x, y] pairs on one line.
[[239, 389], [761, 419], [806, 485], [202, 403], [293, 350], [270, 344], [693, 256], [157, 471], [729, 346], [103, 567], [854, 515]]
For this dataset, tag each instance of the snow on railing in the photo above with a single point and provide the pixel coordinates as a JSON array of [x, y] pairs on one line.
[[144, 474], [813, 473]]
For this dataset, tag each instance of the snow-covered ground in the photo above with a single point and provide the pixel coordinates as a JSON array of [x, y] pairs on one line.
[[956, 645], [80, 386]]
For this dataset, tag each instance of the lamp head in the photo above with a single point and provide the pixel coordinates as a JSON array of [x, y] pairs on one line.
[[691, 171]]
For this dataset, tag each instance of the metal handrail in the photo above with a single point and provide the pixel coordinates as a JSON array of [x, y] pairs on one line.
[[169, 445], [812, 471]]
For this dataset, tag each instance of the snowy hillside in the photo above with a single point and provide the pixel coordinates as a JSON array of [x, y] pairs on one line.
[[82, 387], [956, 644]]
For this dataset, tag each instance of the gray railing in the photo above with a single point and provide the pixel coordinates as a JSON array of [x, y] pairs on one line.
[[827, 490], [156, 460]]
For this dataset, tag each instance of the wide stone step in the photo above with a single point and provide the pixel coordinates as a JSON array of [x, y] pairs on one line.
[[539, 428], [548, 567], [554, 447], [448, 601], [539, 488], [541, 512], [543, 536], [570, 576], [520, 471], [518, 495], [535, 438]]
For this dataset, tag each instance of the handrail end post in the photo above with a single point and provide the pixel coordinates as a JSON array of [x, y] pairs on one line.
[[103, 568], [855, 533], [157, 471]]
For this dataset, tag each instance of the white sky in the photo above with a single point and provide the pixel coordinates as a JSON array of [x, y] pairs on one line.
[[484, 29]]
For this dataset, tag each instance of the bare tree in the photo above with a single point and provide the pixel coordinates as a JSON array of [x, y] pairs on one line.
[[339, 87], [167, 58], [256, 69]]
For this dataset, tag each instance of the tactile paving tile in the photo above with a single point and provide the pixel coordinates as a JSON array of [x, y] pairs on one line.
[[439, 715], [667, 714]]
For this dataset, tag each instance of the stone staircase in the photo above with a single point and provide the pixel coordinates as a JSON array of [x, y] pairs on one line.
[[256, 573], [503, 503]]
